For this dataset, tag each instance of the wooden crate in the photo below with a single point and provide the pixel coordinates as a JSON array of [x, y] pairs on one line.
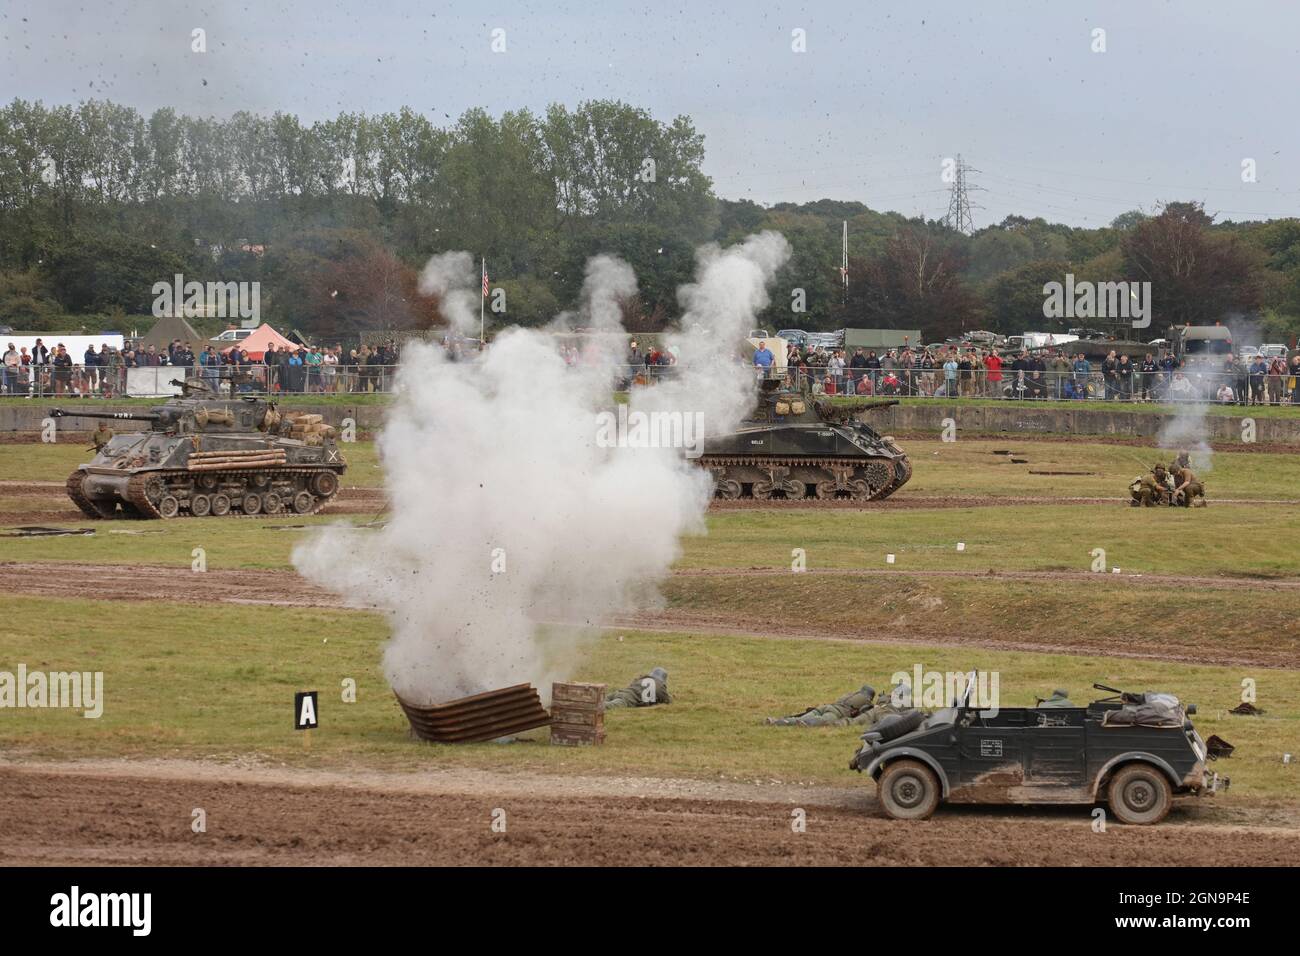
[[566, 735], [592, 695], [571, 716]]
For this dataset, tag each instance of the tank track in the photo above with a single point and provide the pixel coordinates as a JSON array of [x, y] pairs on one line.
[[88, 507], [176, 493], [862, 478]]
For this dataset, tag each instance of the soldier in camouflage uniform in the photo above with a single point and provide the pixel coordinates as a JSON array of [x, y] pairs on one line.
[[101, 436], [1059, 698], [646, 691], [1188, 490], [845, 710], [895, 701], [1151, 489]]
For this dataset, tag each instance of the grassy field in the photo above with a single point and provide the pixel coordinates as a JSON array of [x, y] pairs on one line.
[[1240, 541], [221, 685], [971, 468]]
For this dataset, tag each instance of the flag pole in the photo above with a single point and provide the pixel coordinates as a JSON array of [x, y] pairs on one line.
[[482, 299]]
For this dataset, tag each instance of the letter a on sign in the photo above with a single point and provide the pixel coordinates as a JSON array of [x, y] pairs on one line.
[[304, 710]]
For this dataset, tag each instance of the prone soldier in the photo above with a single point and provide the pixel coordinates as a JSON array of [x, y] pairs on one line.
[[645, 691]]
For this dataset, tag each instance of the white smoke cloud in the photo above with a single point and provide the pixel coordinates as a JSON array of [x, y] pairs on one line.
[[451, 277], [1186, 430], [497, 460]]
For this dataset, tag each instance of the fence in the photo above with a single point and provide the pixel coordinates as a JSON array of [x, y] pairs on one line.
[[1174, 386], [153, 381], [1191, 385]]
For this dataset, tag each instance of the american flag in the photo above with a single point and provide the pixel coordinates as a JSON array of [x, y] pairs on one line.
[[485, 283]]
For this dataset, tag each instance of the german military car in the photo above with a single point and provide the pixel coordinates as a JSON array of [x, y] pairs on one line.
[[1134, 752]]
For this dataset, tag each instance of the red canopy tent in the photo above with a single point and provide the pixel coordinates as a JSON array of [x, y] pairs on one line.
[[262, 339]]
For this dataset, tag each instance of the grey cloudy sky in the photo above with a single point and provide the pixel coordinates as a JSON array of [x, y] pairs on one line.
[[886, 90]]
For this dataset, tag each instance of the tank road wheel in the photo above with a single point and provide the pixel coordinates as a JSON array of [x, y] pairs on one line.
[[729, 489], [220, 505], [826, 489], [200, 506], [324, 484], [207, 483], [303, 502], [155, 489], [878, 475], [168, 506], [796, 490], [271, 503], [251, 503], [1139, 794], [859, 490], [762, 490], [908, 790]]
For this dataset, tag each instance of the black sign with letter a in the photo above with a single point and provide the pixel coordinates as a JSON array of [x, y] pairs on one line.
[[304, 710]]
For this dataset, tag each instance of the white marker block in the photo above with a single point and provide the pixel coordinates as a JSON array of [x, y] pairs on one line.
[[889, 559], [1114, 570], [961, 545], [1286, 758]]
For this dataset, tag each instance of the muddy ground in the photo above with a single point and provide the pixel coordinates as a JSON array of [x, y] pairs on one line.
[[118, 813]]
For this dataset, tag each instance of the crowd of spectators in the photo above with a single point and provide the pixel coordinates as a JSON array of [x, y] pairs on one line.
[[973, 372], [52, 370]]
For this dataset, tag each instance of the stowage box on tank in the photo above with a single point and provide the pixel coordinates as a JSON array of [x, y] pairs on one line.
[[796, 446], [203, 455]]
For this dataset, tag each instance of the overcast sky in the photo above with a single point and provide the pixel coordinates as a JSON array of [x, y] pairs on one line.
[[1184, 92]]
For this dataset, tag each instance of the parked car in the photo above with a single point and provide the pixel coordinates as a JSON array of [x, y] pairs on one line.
[[1135, 752], [796, 336], [1273, 351]]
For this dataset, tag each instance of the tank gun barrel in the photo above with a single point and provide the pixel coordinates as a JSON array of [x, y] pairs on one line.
[[129, 416]]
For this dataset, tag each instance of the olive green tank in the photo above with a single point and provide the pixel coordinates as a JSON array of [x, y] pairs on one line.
[[795, 446], [202, 455]]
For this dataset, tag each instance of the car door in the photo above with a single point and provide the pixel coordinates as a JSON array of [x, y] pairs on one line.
[[1054, 747], [991, 751]]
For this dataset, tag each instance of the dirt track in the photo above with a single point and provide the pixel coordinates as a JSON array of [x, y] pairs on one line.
[[286, 589], [116, 813]]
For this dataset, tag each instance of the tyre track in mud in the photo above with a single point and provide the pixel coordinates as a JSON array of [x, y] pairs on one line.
[[119, 814]]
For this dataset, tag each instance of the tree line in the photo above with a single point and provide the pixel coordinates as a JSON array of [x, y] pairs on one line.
[[335, 218]]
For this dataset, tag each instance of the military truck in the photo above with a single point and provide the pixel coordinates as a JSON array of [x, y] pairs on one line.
[[202, 455], [1134, 752]]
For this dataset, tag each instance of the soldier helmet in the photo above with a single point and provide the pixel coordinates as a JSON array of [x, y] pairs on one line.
[[659, 674], [1059, 692]]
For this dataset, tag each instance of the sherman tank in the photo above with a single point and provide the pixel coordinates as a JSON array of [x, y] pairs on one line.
[[796, 446], [202, 455]]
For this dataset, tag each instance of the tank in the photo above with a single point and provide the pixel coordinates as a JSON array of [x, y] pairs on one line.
[[796, 446], [203, 455]]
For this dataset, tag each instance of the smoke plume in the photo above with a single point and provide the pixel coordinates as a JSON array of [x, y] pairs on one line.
[[505, 513]]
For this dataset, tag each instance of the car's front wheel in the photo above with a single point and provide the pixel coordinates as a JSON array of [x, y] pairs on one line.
[[909, 790], [1139, 794]]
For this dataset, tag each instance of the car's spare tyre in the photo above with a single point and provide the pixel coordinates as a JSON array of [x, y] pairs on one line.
[[892, 726], [1139, 794], [908, 790]]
